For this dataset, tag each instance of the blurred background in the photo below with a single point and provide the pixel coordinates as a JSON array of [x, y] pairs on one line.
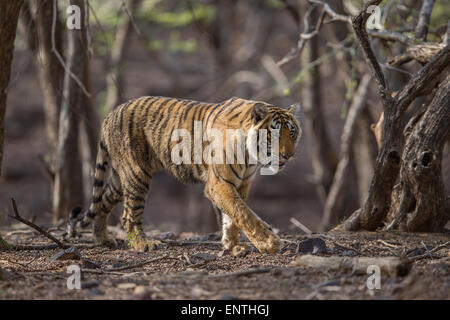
[[206, 50]]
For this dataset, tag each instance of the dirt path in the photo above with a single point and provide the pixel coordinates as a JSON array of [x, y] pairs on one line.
[[197, 268]]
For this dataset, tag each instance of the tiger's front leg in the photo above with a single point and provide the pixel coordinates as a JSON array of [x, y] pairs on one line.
[[227, 198]]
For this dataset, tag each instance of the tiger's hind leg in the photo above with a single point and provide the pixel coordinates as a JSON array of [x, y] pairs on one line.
[[136, 182], [111, 196]]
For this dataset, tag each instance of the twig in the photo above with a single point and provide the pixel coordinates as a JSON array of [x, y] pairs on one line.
[[387, 244], [125, 8], [424, 19], [346, 247], [335, 16], [60, 58], [300, 225], [32, 225], [427, 254], [307, 35], [390, 36]]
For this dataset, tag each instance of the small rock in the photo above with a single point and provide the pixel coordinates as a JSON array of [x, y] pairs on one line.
[[126, 285], [349, 253], [139, 290], [71, 253], [198, 291], [312, 245], [223, 253]]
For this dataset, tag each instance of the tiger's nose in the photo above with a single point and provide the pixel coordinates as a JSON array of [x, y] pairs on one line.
[[286, 155]]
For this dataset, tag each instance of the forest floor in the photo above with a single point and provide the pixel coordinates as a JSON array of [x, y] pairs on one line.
[[195, 267]]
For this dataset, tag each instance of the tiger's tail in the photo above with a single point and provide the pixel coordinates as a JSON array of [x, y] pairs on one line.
[[101, 167]]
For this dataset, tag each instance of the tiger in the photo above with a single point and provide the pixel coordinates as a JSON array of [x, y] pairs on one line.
[[136, 140]]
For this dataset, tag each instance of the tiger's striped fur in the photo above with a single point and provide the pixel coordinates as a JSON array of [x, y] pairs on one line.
[[136, 141]]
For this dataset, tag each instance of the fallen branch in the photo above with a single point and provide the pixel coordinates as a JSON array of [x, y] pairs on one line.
[[392, 266], [300, 225], [21, 247], [429, 252], [32, 225]]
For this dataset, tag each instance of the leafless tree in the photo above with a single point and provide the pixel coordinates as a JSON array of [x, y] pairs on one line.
[[9, 16], [68, 186]]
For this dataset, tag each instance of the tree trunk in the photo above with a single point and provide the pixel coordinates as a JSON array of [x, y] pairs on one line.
[[423, 205], [68, 187], [50, 70], [9, 16]]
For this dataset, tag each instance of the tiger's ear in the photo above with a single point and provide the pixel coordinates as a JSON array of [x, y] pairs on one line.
[[295, 109], [259, 112]]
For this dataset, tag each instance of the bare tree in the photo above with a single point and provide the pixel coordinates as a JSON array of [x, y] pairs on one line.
[[9, 16], [44, 42], [390, 158]]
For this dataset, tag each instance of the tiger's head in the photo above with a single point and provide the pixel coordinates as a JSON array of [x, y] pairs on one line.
[[283, 129]]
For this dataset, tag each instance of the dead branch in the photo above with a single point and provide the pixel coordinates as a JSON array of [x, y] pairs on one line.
[[424, 19], [300, 225], [334, 16], [34, 226], [390, 36], [429, 252], [304, 37], [422, 53], [392, 266]]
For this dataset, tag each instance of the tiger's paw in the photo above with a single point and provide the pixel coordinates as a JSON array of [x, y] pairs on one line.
[[271, 246], [240, 250], [267, 241], [144, 245], [106, 241]]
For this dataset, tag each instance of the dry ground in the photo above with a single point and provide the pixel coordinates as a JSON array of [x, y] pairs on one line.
[[195, 267]]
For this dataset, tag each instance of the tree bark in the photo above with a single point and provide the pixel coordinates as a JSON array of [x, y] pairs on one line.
[[375, 209], [423, 205], [9, 16]]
